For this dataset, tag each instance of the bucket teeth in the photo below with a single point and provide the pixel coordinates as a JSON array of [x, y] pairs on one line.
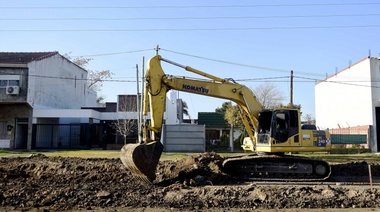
[[142, 159]]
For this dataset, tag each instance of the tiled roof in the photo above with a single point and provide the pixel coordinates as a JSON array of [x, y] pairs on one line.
[[24, 57], [212, 120]]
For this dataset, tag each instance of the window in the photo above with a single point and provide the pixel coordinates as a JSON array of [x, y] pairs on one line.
[[127, 103], [13, 82], [7, 80], [5, 83]]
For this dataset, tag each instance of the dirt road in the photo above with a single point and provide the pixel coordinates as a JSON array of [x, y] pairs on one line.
[[40, 183]]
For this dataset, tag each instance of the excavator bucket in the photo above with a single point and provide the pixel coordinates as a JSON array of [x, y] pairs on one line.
[[142, 159]]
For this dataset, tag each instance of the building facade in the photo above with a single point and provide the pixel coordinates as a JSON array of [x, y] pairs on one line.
[[34, 82], [351, 98]]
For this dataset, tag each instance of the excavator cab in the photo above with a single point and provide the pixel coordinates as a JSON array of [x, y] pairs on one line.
[[280, 131]]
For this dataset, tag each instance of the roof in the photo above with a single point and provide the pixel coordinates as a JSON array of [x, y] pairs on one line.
[[24, 57], [212, 119]]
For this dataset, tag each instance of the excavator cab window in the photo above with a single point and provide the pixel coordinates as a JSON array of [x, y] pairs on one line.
[[264, 121], [294, 123], [280, 126], [264, 127]]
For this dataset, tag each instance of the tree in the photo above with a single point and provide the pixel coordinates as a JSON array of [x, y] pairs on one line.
[[94, 78], [127, 123], [185, 109], [232, 115], [223, 109], [268, 95], [309, 119]]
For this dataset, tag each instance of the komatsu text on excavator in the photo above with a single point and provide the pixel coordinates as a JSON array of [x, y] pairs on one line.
[[272, 133]]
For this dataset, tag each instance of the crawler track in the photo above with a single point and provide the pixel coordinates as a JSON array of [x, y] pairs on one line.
[[277, 168], [309, 183]]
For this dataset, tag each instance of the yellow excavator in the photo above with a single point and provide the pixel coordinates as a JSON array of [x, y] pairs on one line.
[[272, 133]]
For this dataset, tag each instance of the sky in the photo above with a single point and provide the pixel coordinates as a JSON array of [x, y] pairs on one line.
[[253, 42]]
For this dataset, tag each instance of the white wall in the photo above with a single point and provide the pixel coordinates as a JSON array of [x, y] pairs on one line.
[[170, 115], [375, 74], [345, 98], [55, 82]]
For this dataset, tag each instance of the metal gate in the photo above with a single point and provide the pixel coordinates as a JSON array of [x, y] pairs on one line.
[[183, 138], [70, 136]]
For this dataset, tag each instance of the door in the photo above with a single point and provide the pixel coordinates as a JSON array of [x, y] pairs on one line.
[[21, 133], [377, 129]]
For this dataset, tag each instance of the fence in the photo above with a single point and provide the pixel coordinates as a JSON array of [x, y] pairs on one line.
[[351, 135], [184, 138], [71, 136]]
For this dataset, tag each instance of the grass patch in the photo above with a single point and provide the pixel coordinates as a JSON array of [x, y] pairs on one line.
[[344, 158], [329, 157], [64, 153], [84, 153], [20, 153]]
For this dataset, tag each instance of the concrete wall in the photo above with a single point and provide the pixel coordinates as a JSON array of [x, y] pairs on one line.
[[346, 98], [55, 82]]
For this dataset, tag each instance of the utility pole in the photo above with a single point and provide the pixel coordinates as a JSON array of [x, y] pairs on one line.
[[142, 98], [157, 49], [138, 105], [291, 88]]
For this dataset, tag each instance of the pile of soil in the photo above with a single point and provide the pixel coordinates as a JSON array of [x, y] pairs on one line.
[[194, 183]]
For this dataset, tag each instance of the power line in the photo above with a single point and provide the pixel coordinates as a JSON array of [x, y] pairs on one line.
[[239, 64], [343, 82], [193, 29], [190, 6], [186, 18], [78, 79], [261, 79], [268, 79], [115, 53]]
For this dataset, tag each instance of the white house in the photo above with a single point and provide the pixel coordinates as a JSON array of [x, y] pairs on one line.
[[350, 98], [34, 82]]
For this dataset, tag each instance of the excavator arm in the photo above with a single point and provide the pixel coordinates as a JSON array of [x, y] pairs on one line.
[[158, 83]]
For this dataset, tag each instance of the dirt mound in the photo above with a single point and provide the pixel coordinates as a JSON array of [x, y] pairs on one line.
[[58, 184], [202, 169]]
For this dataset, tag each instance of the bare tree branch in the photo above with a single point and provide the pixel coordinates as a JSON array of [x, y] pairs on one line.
[[268, 95], [94, 78], [126, 124]]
